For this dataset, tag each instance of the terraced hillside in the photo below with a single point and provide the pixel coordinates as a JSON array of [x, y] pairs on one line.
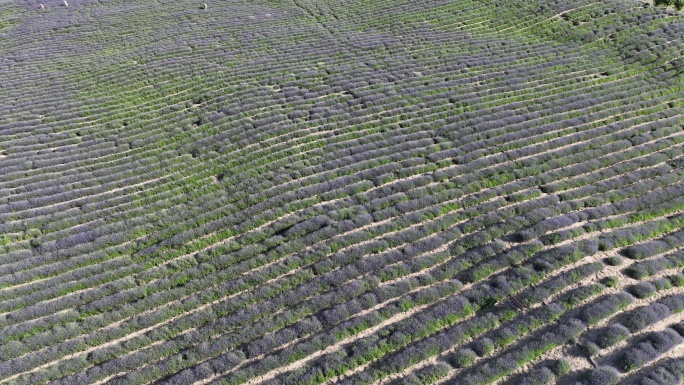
[[341, 192]]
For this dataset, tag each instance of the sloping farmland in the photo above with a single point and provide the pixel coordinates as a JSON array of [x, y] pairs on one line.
[[341, 192]]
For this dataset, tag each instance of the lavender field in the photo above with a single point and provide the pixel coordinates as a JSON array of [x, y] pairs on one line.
[[341, 192]]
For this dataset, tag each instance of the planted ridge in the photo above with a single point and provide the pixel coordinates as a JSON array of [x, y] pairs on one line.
[[310, 192]]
